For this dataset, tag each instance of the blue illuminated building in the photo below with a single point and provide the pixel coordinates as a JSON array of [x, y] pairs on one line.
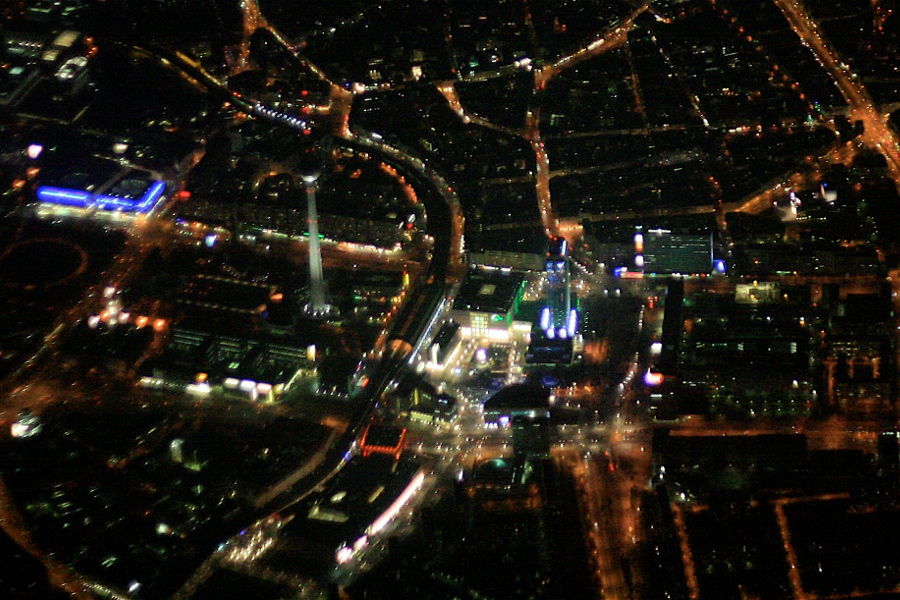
[[558, 318], [84, 199], [553, 339], [56, 195]]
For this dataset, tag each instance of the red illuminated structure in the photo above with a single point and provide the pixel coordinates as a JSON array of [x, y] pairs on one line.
[[383, 439]]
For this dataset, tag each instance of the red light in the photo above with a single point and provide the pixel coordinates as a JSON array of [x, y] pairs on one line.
[[304, 93], [307, 131], [184, 195]]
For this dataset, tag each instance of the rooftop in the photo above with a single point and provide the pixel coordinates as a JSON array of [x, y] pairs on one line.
[[486, 291], [522, 396], [349, 508]]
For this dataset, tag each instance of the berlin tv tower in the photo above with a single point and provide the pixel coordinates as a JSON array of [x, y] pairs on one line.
[[317, 307]]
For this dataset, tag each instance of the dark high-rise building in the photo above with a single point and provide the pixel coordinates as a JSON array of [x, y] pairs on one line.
[[662, 252]]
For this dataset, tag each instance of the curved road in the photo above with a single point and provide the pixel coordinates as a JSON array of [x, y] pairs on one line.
[[444, 224]]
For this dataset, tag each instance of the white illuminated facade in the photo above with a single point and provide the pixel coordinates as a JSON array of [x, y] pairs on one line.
[[486, 305], [26, 425]]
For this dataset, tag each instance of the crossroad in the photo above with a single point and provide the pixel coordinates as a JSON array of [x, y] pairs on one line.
[[862, 107]]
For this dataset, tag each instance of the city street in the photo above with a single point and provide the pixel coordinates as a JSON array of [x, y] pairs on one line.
[[862, 107]]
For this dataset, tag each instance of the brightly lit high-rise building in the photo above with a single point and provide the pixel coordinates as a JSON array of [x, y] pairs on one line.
[[555, 338], [558, 318]]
